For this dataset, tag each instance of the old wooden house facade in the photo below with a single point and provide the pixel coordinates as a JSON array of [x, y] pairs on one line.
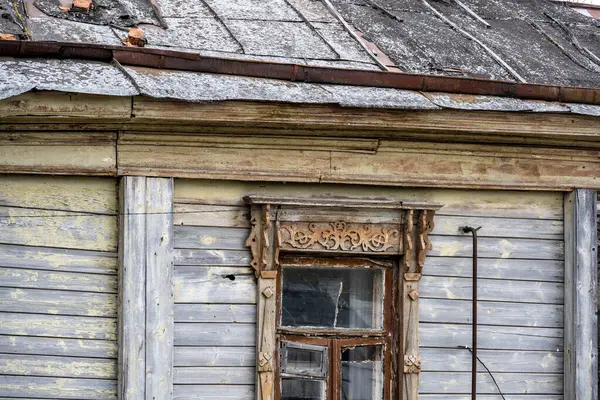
[[267, 200]]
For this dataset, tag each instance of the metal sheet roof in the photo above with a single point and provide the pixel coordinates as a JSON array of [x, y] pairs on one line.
[[22, 75]]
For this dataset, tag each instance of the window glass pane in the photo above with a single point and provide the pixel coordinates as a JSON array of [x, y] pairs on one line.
[[303, 359], [302, 389], [362, 373], [332, 297]]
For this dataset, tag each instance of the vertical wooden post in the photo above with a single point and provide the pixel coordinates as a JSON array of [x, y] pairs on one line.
[[145, 289], [581, 328]]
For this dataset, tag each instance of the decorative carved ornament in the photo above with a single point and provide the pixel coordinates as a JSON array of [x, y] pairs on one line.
[[340, 236], [404, 235], [412, 364]]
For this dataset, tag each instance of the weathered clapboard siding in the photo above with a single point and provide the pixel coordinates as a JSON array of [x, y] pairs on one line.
[[52, 259], [215, 303], [58, 294], [57, 346], [521, 273], [498, 268], [459, 360], [57, 388], [67, 367], [28, 278], [213, 392], [491, 337], [215, 356], [510, 383]]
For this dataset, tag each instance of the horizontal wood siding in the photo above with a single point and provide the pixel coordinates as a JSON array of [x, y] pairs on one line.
[[521, 275], [58, 288]]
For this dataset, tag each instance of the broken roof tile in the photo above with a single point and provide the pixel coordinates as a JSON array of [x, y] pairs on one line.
[[193, 33], [282, 39], [181, 8], [61, 30], [273, 10], [22, 75], [313, 10], [342, 42], [123, 13], [12, 17]]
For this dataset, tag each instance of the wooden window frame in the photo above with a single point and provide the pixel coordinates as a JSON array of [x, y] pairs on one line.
[[336, 339], [350, 229]]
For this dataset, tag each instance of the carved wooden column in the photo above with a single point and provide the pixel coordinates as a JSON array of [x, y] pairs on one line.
[[344, 227], [261, 242], [418, 224]]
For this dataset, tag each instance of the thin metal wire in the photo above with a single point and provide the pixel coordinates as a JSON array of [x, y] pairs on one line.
[[487, 369]]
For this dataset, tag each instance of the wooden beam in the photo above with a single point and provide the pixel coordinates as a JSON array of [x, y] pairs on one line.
[[146, 323], [389, 163], [581, 325]]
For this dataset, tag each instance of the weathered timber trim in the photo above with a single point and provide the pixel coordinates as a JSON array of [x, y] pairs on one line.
[[403, 235], [581, 324], [145, 288], [323, 143]]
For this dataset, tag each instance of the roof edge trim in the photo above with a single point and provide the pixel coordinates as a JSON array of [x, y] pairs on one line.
[[174, 60]]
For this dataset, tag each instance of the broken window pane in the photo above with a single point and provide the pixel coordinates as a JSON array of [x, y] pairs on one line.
[[303, 359], [362, 373], [332, 297], [302, 389]]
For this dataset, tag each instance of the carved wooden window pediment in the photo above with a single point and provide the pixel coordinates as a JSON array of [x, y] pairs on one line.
[[338, 290]]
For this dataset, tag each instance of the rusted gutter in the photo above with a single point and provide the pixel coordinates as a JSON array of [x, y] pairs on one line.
[[165, 59]]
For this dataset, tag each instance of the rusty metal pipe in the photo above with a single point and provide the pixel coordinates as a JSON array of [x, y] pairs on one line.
[[473, 231]]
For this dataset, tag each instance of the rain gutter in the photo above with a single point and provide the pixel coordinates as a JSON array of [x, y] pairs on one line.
[[181, 61]]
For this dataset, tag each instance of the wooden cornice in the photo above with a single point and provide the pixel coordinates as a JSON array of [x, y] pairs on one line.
[[58, 133]]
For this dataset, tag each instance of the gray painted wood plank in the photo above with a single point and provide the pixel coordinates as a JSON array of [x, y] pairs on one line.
[[58, 366], [500, 227], [454, 246], [215, 313], [491, 337], [581, 275], [213, 392], [58, 302], [459, 360], [232, 258], [58, 326], [57, 388], [215, 376], [159, 288], [215, 356], [491, 313], [211, 215], [92, 262], [210, 285], [217, 334], [490, 397], [132, 289], [58, 346], [492, 290], [498, 268], [510, 383], [77, 231], [192, 237], [30, 278]]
